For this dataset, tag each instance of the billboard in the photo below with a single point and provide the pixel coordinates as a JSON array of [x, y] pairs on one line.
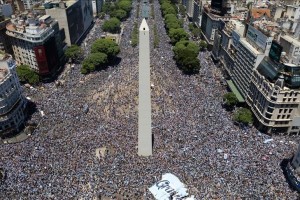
[[257, 37], [41, 59], [275, 51]]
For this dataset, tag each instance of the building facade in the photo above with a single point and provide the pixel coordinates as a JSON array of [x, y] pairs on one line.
[[5, 44], [12, 102], [37, 42], [75, 17]]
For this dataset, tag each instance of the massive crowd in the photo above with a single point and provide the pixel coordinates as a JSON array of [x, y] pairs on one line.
[[74, 154]]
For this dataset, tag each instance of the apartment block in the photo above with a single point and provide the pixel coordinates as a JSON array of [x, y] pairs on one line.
[[75, 17], [12, 102], [37, 42]]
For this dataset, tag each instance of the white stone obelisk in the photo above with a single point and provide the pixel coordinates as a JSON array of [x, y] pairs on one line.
[[145, 134]]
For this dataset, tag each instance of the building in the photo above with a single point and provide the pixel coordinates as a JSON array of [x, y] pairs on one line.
[[222, 7], [264, 73], [37, 42], [97, 6], [5, 44], [6, 10], [12, 102], [75, 17]]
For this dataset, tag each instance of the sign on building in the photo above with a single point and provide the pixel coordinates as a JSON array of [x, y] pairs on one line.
[[170, 187], [257, 37]]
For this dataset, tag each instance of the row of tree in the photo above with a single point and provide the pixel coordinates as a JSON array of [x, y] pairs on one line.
[[118, 11], [186, 52], [135, 35]]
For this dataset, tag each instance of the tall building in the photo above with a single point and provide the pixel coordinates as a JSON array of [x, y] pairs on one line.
[[144, 121], [12, 102], [37, 42], [222, 7], [75, 17], [264, 73]]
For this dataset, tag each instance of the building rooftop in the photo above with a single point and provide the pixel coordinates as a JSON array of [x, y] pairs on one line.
[[250, 47], [34, 28], [259, 12], [291, 40]]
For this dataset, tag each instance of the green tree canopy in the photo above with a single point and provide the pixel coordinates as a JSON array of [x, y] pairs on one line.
[[173, 25], [185, 44], [101, 15], [196, 32], [124, 5], [202, 45], [187, 62], [106, 46], [243, 115], [73, 52], [112, 25], [230, 99], [120, 14], [177, 35], [93, 62], [170, 17], [27, 75], [169, 10], [182, 9]]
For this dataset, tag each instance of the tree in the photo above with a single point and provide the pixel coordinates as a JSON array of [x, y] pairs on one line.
[[196, 32], [124, 5], [112, 25], [178, 34], [101, 15], [93, 62], [186, 53], [203, 45], [120, 14], [169, 10], [107, 46], [182, 10], [183, 45], [187, 62], [243, 115], [73, 52], [172, 25], [27, 75], [230, 99], [170, 17]]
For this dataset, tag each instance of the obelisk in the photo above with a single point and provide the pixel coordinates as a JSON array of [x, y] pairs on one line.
[[145, 134]]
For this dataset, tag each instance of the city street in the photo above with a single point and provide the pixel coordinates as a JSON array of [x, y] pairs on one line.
[[83, 155]]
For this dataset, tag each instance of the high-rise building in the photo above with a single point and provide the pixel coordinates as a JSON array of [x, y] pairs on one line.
[[12, 102], [263, 75], [75, 17], [37, 42]]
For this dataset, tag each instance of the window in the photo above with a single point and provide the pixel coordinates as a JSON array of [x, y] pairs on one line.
[[280, 110], [283, 116], [278, 116]]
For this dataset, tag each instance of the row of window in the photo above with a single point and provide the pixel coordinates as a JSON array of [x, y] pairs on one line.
[[283, 116]]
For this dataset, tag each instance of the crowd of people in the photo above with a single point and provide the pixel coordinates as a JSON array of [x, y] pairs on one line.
[[77, 154]]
